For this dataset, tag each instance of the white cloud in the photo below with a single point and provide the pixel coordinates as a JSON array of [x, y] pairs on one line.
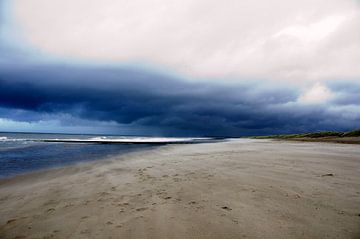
[[307, 40], [314, 31], [318, 93]]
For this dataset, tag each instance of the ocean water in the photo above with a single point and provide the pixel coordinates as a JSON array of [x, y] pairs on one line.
[[25, 152]]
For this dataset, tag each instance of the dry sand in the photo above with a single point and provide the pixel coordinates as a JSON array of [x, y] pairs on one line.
[[237, 189]]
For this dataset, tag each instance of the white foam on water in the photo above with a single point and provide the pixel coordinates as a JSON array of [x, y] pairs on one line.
[[99, 138], [6, 139], [102, 139], [129, 139]]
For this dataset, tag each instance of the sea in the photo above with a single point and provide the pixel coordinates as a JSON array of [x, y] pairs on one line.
[[27, 152]]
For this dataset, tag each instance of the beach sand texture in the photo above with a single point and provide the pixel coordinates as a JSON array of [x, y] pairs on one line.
[[243, 188]]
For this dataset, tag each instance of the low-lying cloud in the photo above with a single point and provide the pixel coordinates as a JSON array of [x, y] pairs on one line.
[[171, 106]]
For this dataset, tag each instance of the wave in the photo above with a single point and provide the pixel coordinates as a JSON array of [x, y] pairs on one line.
[[146, 139], [6, 139], [128, 140], [109, 139]]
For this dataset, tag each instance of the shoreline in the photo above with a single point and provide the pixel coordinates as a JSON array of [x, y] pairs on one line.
[[247, 188], [77, 163], [155, 146]]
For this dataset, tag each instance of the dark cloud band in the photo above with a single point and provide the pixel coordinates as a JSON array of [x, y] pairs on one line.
[[143, 98]]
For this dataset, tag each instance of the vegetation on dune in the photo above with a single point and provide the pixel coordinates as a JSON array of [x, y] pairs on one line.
[[353, 133]]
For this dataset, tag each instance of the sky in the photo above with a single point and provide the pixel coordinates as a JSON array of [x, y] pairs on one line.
[[179, 68]]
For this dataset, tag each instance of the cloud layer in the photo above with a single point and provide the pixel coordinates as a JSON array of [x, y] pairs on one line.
[[141, 99], [237, 67], [307, 40]]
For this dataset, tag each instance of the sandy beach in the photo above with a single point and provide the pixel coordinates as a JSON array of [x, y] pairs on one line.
[[245, 188]]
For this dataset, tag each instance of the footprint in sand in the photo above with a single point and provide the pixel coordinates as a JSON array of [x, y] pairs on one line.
[[141, 209], [226, 208], [84, 203], [50, 210], [102, 194], [11, 221], [70, 205], [141, 171]]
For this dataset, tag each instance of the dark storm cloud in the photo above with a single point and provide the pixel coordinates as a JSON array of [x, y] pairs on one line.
[[141, 98], [348, 93]]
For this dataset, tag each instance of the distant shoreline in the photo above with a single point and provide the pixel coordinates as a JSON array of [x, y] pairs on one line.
[[339, 140], [350, 137]]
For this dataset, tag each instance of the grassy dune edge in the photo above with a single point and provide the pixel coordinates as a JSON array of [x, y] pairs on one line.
[[350, 137]]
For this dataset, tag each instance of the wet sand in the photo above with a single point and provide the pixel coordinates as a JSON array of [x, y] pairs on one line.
[[244, 188]]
